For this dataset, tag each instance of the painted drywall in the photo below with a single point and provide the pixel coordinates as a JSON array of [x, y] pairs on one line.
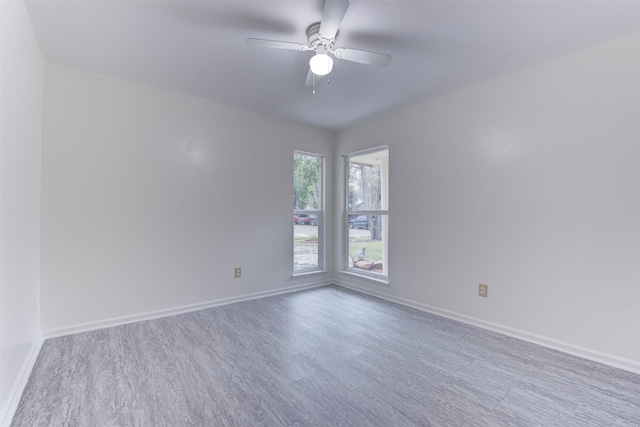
[[150, 199], [529, 183], [20, 141]]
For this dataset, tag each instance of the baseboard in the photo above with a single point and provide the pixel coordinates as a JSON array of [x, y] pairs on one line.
[[585, 353], [123, 320], [13, 400]]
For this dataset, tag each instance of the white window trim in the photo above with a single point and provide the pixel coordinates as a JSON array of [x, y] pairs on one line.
[[321, 268], [382, 278]]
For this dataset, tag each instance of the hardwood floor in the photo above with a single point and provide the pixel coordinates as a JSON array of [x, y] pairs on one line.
[[321, 357]]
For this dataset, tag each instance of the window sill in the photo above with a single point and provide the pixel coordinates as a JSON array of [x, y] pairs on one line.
[[309, 273], [377, 280]]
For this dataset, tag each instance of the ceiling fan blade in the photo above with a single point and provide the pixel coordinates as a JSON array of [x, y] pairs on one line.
[[334, 11], [309, 81], [363, 57], [274, 44]]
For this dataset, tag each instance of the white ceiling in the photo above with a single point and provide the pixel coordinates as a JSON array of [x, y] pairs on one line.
[[198, 47]]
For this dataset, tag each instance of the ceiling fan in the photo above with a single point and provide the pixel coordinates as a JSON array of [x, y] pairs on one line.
[[322, 36]]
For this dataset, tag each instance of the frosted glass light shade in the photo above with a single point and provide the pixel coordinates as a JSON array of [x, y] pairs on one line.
[[321, 64]]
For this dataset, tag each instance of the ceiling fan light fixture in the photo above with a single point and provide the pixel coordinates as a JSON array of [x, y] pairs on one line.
[[321, 64]]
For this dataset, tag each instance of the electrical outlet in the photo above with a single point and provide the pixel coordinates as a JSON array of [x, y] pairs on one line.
[[483, 290], [35, 306], [237, 273]]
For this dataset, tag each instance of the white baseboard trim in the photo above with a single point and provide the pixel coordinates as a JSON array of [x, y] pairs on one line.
[[13, 400], [156, 314], [585, 353]]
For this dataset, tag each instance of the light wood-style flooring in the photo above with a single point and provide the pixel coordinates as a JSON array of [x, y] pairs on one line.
[[320, 357]]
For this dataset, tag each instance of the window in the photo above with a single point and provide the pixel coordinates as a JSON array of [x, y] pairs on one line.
[[308, 244], [367, 212]]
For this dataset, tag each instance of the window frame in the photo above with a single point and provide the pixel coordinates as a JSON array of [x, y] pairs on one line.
[[319, 216], [379, 277]]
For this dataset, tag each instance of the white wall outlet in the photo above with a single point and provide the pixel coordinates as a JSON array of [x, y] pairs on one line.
[[237, 272], [483, 290]]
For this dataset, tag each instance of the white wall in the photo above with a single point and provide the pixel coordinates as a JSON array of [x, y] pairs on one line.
[[529, 183], [20, 138], [150, 199]]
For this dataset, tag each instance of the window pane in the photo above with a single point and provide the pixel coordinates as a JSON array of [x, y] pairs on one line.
[[305, 243], [368, 243], [306, 182], [368, 182]]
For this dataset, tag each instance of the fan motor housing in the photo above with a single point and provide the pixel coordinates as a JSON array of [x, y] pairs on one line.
[[313, 33]]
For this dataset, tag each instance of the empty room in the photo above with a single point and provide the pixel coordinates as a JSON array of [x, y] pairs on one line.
[[319, 213]]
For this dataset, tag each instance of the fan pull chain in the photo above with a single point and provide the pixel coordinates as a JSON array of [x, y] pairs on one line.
[[314, 84]]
